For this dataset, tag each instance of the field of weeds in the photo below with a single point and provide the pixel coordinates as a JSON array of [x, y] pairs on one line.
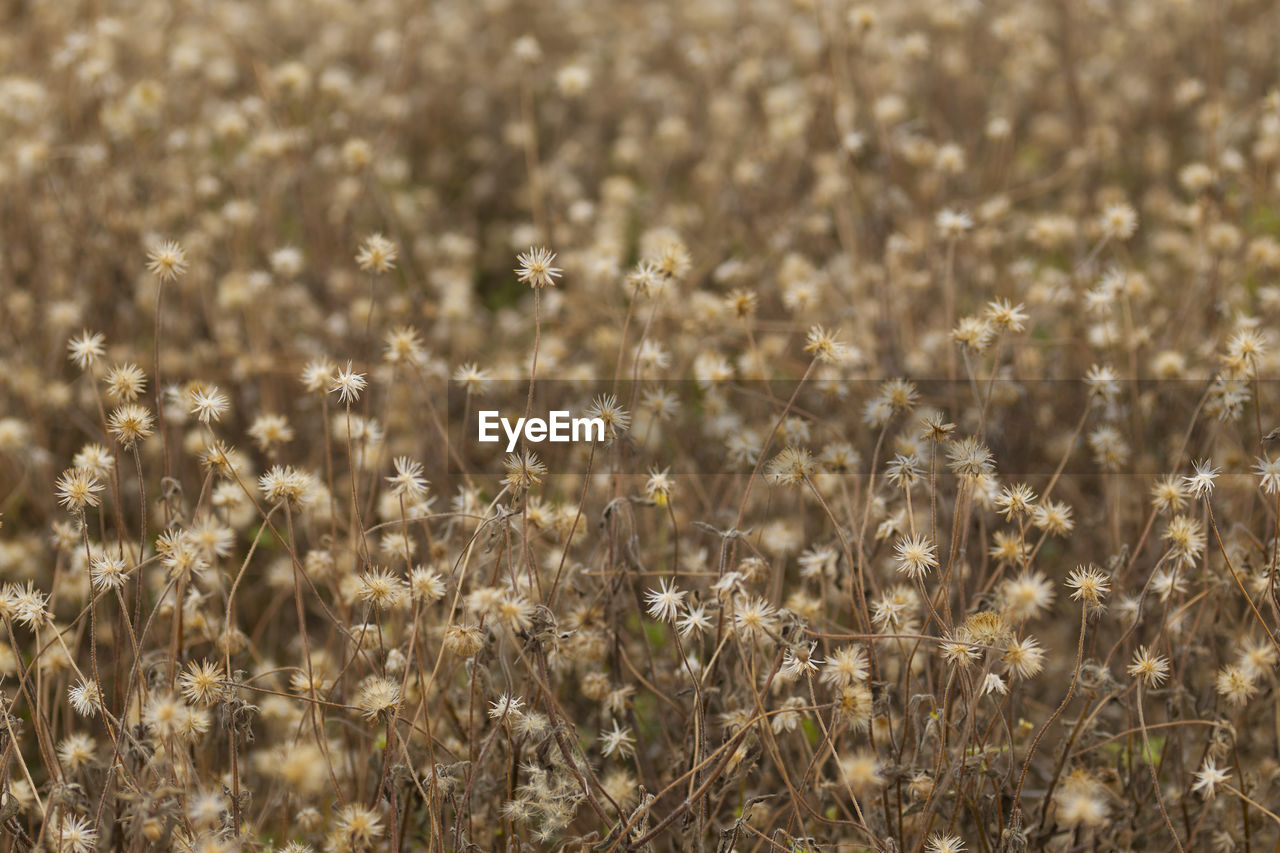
[[935, 497]]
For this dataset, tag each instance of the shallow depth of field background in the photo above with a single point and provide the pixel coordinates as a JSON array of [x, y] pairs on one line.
[[936, 342]]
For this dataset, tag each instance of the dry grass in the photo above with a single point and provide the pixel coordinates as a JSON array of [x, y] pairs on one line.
[[987, 563]]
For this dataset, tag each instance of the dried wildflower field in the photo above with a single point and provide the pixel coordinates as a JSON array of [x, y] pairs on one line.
[[934, 345]]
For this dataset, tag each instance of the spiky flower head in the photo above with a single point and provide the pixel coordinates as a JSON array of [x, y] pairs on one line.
[[790, 467], [377, 254], [86, 349], [348, 384], [167, 261], [617, 741], [125, 382], [916, 556], [85, 698], [1088, 584], [408, 482], [208, 403], [1209, 778], [665, 601], [524, 469], [378, 697], [824, 345], [130, 424], [1201, 481], [535, 267], [1148, 667], [202, 682], [506, 708], [78, 489]]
